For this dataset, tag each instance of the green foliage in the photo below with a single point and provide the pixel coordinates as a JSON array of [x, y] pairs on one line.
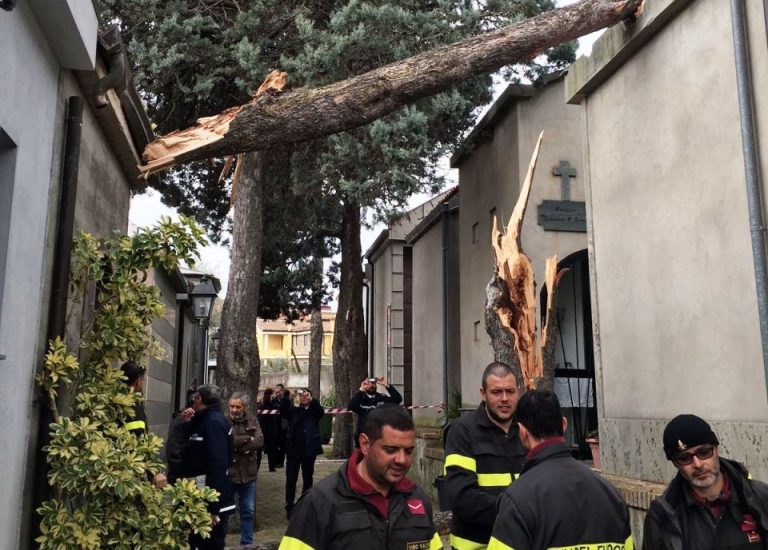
[[98, 469], [195, 58]]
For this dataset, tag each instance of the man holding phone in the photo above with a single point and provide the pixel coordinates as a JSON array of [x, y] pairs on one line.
[[303, 444], [367, 399]]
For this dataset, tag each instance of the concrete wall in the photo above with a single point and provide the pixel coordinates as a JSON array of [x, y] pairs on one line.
[[31, 120], [428, 325], [490, 179], [675, 317]]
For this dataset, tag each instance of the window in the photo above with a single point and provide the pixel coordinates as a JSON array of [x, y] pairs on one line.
[[475, 232], [7, 176]]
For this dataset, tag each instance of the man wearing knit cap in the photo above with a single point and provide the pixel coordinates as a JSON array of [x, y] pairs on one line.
[[712, 503]]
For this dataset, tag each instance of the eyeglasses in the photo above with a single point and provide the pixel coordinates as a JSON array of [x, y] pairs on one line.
[[702, 453]]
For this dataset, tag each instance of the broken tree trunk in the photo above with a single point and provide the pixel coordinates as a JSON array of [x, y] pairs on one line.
[[511, 296], [306, 114]]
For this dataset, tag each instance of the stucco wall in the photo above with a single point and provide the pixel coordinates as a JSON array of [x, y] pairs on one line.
[[28, 115], [428, 324], [676, 328], [491, 178], [382, 297]]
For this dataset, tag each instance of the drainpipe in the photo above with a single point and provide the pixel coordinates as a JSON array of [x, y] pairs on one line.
[[369, 320], [444, 221], [57, 311], [751, 170]]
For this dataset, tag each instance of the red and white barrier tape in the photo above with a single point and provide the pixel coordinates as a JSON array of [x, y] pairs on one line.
[[343, 410]]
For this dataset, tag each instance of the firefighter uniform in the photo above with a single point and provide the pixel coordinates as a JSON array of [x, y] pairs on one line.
[[560, 504], [480, 462], [333, 515]]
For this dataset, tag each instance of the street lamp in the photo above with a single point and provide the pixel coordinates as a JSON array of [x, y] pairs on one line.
[[202, 297]]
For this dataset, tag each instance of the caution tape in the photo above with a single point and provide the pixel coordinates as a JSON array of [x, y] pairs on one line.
[[344, 410]]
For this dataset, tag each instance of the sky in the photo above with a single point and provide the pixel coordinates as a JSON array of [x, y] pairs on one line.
[[147, 208]]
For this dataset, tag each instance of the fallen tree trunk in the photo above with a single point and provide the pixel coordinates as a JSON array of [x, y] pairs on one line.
[[305, 114]]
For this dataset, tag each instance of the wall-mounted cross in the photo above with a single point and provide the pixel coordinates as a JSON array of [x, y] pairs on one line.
[[566, 172]]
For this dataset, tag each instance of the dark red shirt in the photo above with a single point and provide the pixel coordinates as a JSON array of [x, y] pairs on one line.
[[716, 506], [543, 445]]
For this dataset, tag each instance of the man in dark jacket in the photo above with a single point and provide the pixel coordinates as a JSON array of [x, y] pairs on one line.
[[303, 444], [367, 399], [369, 504], [483, 455], [247, 439], [712, 503], [557, 502], [208, 453]]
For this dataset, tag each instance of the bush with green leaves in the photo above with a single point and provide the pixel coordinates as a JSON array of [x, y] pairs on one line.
[[99, 470]]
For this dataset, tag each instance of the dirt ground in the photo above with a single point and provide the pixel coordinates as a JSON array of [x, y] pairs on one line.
[[271, 521]]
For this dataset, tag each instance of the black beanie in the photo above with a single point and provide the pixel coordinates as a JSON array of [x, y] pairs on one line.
[[684, 431]]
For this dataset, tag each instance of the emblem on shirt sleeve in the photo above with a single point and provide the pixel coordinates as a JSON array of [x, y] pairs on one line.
[[418, 545], [416, 506]]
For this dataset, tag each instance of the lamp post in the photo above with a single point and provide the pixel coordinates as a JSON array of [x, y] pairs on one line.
[[202, 297]]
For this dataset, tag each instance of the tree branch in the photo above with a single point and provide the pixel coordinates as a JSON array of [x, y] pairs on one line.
[[306, 114]]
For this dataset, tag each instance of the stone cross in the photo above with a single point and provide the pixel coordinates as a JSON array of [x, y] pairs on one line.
[[566, 172]]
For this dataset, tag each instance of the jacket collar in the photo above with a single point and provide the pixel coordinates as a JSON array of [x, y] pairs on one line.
[[666, 506], [355, 485], [481, 415], [552, 449]]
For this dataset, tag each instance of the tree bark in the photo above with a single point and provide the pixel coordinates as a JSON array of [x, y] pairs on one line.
[[306, 114], [315, 351], [238, 365], [349, 344], [502, 340]]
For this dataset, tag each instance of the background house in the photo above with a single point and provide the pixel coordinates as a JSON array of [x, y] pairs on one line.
[[284, 352]]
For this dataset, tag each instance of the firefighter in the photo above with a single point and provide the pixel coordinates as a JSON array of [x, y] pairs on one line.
[[483, 454], [557, 502], [369, 503]]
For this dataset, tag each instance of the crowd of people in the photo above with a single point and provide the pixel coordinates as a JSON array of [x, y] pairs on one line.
[[511, 480]]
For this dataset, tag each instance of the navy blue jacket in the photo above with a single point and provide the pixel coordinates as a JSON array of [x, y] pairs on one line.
[[208, 452], [303, 428], [363, 403]]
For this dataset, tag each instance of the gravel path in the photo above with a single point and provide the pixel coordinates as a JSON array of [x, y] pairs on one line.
[[271, 521]]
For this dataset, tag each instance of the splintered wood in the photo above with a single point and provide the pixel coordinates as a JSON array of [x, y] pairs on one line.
[[514, 267], [162, 153]]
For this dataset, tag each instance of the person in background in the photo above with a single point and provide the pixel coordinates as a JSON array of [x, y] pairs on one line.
[[243, 469], [207, 453], [367, 399], [281, 399], [303, 444], [135, 376], [270, 427]]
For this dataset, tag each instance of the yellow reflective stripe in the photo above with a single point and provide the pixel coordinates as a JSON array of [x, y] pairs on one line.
[[464, 544], [494, 480], [517, 475], [627, 545], [496, 544], [290, 543], [466, 462], [136, 425], [435, 543]]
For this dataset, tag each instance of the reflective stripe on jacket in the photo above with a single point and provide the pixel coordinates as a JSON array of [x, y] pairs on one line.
[[332, 516], [480, 462], [560, 504]]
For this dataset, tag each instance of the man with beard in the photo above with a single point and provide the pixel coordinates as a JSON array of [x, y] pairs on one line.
[[712, 503], [483, 455], [369, 503], [367, 399]]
